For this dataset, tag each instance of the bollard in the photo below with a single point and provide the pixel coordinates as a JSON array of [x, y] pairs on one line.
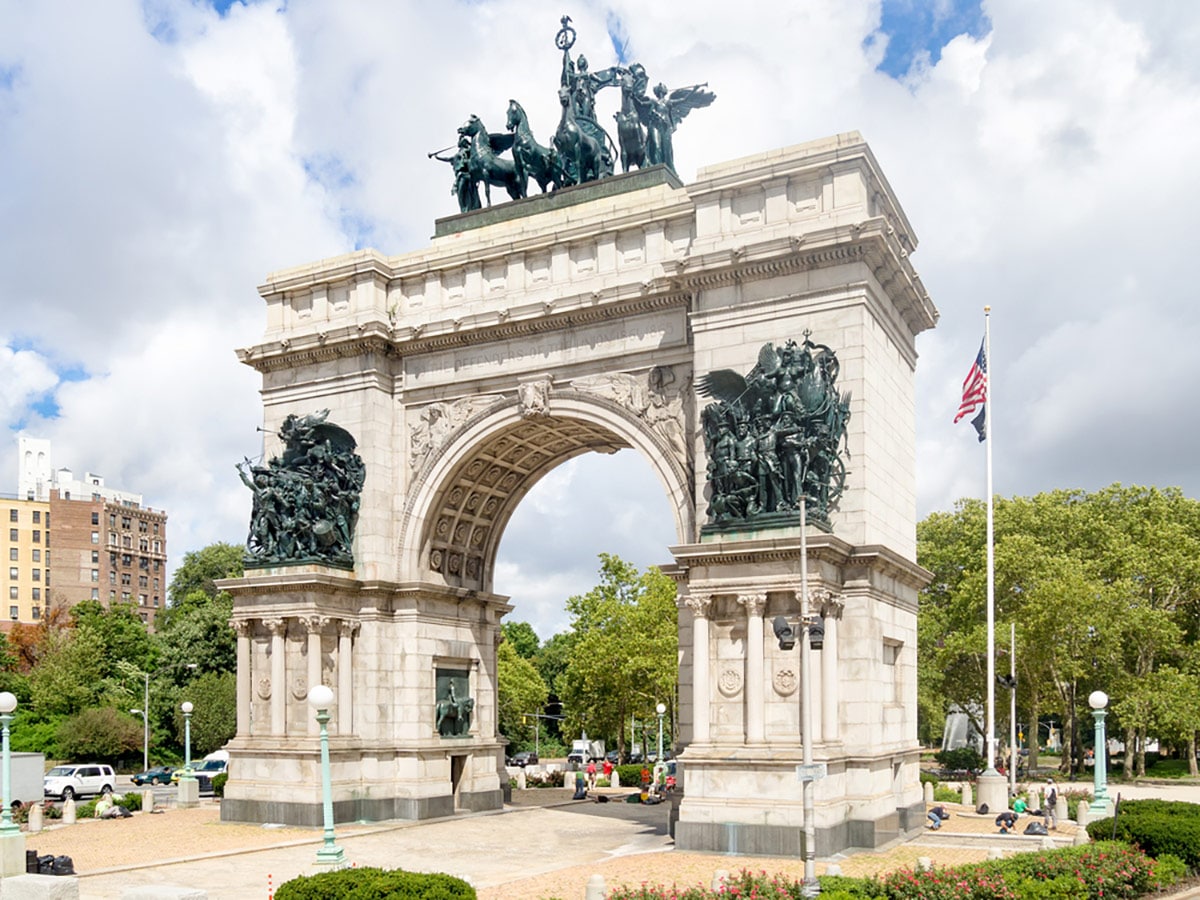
[[1048, 843], [68, 817], [966, 794], [614, 780], [995, 853], [833, 869], [595, 888], [147, 801], [924, 864], [1081, 838], [35, 818], [1081, 814], [521, 782], [719, 878], [928, 792], [1060, 808]]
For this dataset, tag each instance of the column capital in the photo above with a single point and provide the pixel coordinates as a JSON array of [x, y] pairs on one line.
[[754, 603], [699, 604], [277, 626], [348, 628], [315, 623], [242, 627]]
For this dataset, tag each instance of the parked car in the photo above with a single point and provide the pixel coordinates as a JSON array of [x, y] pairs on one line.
[[69, 781], [523, 759], [155, 775], [205, 769], [614, 757]]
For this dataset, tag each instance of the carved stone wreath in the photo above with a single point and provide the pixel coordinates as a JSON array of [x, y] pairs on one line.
[[730, 682], [785, 682], [264, 688]]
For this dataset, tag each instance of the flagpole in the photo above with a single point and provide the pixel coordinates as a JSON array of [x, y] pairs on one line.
[[988, 418]]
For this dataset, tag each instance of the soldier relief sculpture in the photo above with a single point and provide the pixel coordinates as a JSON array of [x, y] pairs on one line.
[[305, 502], [774, 437], [580, 150]]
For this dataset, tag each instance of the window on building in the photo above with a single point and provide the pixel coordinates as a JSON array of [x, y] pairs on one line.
[[156, 565], [141, 599], [156, 584], [156, 528], [37, 536], [112, 520], [95, 537], [143, 581], [95, 593], [95, 574], [37, 612], [13, 534], [14, 613], [125, 523], [112, 539], [126, 559], [142, 526], [127, 542], [13, 516], [95, 557], [126, 596], [37, 555], [37, 574], [112, 596], [144, 545], [158, 546], [125, 580], [145, 618], [14, 573], [143, 563], [95, 518], [12, 593], [14, 554], [37, 594], [37, 517]]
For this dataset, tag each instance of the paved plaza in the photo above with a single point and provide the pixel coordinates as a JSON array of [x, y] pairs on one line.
[[542, 845]]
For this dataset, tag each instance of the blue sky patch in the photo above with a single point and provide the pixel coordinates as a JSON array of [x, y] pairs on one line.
[[917, 27], [619, 37], [8, 76]]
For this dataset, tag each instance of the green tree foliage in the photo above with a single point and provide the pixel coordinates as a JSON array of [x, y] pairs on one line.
[[121, 632], [99, 733], [522, 637], [197, 574], [623, 659], [1103, 588], [521, 692], [70, 675], [213, 696]]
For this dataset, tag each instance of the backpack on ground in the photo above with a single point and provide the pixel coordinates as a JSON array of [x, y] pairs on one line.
[[982, 809]]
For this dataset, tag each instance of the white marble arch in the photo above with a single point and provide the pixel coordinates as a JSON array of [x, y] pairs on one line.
[[577, 322]]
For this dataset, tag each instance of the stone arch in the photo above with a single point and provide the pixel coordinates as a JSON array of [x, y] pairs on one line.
[[464, 495]]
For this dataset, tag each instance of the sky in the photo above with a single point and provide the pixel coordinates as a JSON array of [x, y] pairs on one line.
[[160, 158]]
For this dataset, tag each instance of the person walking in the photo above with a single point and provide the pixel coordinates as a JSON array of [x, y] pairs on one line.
[[1050, 807], [607, 769], [591, 775]]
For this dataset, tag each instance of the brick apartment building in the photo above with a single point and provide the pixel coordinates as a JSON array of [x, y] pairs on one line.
[[72, 539]]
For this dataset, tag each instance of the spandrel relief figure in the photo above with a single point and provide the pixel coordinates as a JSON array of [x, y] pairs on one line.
[[306, 501]]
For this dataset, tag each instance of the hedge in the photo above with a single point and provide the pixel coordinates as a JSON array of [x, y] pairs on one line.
[[1158, 827], [368, 883]]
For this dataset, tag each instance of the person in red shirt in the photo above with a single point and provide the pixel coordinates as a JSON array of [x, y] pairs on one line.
[[591, 776], [608, 767]]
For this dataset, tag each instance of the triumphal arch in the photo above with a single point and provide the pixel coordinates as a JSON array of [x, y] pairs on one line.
[[750, 334]]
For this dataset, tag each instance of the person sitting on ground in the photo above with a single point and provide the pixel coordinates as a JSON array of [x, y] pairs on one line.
[[1019, 805], [1006, 821], [935, 821]]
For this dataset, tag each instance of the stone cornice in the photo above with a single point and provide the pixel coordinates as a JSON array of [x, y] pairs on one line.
[[377, 338]]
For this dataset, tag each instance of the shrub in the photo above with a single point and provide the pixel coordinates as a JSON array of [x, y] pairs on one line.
[[218, 784], [1168, 870], [946, 795], [631, 775], [369, 883], [928, 778], [965, 759], [1158, 827], [131, 801]]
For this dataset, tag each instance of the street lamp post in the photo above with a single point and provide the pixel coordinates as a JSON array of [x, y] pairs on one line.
[[187, 739], [1101, 805], [320, 698], [12, 841], [145, 737], [8, 703], [660, 709]]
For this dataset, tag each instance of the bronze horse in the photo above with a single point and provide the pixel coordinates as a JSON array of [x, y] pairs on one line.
[[484, 165], [630, 133], [581, 154], [531, 159]]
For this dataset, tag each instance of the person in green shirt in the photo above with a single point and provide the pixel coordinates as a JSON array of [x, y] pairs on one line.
[[1019, 805]]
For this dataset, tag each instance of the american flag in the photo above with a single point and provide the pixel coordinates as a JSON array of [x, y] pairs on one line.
[[975, 394]]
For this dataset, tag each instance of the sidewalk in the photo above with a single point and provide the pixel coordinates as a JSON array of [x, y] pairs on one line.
[[542, 846]]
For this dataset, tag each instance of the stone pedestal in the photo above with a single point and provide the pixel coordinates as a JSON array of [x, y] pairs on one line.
[[12, 854], [188, 793], [992, 788]]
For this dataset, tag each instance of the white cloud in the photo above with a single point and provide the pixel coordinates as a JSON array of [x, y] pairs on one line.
[[153, 179]]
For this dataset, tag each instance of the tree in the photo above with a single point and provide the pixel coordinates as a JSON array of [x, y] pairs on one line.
[[521, 692], [214, 714], [197, 574], [623, 660], [522, 637], [120, 631], [70, 676], [100, 733]]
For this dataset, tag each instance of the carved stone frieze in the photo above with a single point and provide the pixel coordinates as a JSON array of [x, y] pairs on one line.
[[656, 396], [533, 398]]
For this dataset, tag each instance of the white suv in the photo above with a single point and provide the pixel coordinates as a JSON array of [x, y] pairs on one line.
[[66, 782]]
